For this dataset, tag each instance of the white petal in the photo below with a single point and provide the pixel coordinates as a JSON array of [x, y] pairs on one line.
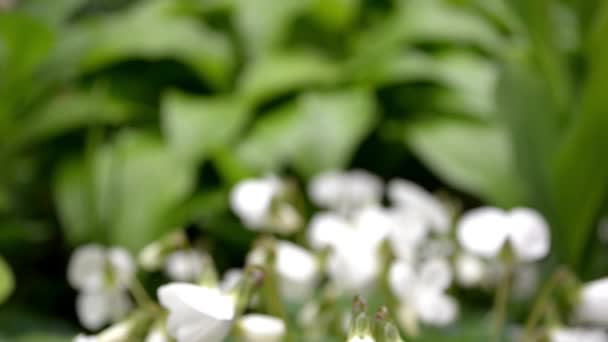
[[327, 229], [251, 200], [413, 197], [469, 269], [529, 234], [593, 305], [120, 305], [230, 279], [120, 332], [364, 188], [86, 268], [435, 274], [353, 266], [197, 313], [325, 189], [262, 328], [375, 223], [157, 334], [297, 270], [402, 279], [437, 309], [409, 233], [184, 265], [526, 281], [123, 266], [93, 309], [345, 191], [566, 334], [483, 231], [84, 338]]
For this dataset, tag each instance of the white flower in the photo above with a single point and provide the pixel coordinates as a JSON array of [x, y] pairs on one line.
[[353, 265], [197, 313], [412, 197], [422, 292], [230, 279], [84, 338], [361, 339], [297, 270], [102, 275], [261, 328], [120, 332], [157, 334], [184, 265], [327, 229], [592, 307], [96, 308], [345, 191], [484, 231], [470, 270], [566, 334], [251, 200]]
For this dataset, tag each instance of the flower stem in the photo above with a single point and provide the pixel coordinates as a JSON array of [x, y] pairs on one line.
[[141, 296], [542, 302], [501, 301]]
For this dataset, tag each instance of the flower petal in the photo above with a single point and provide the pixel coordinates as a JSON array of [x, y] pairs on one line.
[[528, 234], [483, 231]]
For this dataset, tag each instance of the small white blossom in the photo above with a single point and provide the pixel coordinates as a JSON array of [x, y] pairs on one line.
[[470, 270], [197, 313], [361, 339], [326, 229], [230, 279], [251, 200], [345, 192], [353, 265], [157, 334], [261, 328], [184, 265], [412, 197], [566, 334], [422, 292], [484, 232], [103, 276], [592, 307]]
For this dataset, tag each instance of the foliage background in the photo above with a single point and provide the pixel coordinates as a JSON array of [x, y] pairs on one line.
[[122, 119]]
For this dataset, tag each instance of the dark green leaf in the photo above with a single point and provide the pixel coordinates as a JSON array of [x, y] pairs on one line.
[[7, 280]]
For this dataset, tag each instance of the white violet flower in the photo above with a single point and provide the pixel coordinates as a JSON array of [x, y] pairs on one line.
[[347, 191], [261, 328], [592, 307]]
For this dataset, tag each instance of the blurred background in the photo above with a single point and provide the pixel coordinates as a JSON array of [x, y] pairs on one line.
[[122, 119]]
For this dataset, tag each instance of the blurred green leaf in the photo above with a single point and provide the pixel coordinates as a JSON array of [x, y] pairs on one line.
[[471, 156], [153, 30], [260, 32], [336, 14], [318, 131], [53, 15], [580, 167], [196, 126], [43, 337], [7, 280], [70, 111], [278, 74]]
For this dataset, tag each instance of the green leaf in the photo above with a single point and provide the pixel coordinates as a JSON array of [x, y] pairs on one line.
[[318, 131], [150, 182], [264, 24], [54, 15], [336, 14], [152, 30], [580, 168], [278, 74], [471, 156], [196, 126], [7, 280], [70, 111]]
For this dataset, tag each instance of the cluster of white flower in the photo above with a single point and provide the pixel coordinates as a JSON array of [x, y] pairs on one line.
[[367, 236]]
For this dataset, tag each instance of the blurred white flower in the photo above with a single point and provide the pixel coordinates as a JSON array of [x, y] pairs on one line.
[[231, 278], [251, 200], [84, 338], [326, 229], [413, 198], [261, 328], [96, 308], [296, 268], [484, 232], [152, 257], [102, 275], [197, 313], [353, 265], [184, 265], [592, 307], [470, 270], [120, 332], [347, 191], [254, 201], [361, 339], [567, 334], [422, 292]]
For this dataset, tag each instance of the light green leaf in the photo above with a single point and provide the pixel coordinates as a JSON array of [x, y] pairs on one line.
[[318, 131], [152, 30], [264, 24], [150, 182], [281, 73], [336, 14], [7, 280], [196, 126], [471, 156], [54, 15]]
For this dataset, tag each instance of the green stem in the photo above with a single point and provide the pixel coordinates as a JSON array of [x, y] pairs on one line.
[[141, 296], [501, 301], [542, 302]]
